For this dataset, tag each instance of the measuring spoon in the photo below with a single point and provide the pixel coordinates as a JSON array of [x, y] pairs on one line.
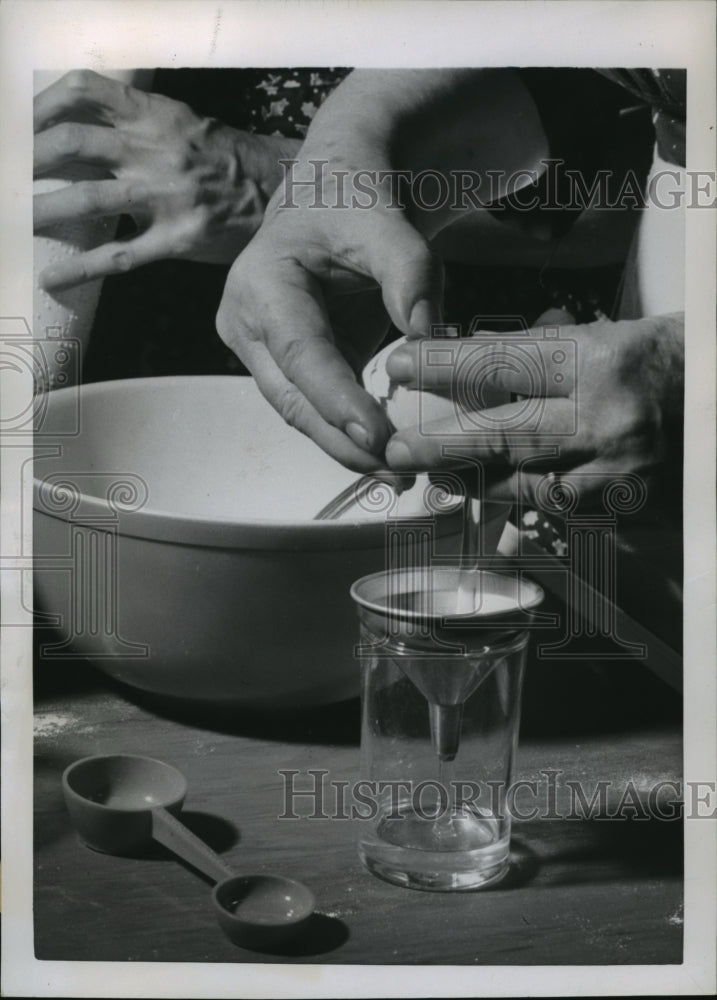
[[120, 802]]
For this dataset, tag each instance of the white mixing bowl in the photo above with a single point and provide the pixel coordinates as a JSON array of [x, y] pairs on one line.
[[175, 546]]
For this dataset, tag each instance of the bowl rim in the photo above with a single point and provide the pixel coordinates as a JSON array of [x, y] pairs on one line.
[[159, 525]]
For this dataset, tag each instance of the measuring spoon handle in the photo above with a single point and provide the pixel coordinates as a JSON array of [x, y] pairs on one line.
[[167, 830]]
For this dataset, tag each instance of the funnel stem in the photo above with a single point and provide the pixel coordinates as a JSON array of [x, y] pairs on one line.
[[446, 721]]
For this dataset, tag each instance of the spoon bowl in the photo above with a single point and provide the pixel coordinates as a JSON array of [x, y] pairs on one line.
[[262, 911], [110, 799]]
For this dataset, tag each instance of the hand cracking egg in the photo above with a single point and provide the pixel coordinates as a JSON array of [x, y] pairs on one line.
[[406, 407]]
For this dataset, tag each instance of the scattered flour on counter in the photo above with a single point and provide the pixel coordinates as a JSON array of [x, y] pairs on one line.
[[49, 724], [676, 917]]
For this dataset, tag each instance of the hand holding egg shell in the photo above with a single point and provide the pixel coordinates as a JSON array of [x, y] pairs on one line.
[[413, 408]]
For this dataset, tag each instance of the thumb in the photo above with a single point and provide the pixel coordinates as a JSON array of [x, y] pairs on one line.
[[411, 278]]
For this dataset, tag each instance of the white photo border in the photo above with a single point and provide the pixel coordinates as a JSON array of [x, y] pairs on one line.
[[101, 34]]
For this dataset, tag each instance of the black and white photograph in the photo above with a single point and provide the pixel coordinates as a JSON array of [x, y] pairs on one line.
[[358, 458]]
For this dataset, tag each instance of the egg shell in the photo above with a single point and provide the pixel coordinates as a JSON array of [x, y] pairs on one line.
[[407, 408]]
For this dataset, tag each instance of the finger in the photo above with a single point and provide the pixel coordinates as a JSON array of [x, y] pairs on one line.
[[555, 316], [554, 492], [472, 369], [294, 327], [71, 142], [502, 435], [83, 92], [298, 412], [410, 275], [86, 200], [400, 483], [112, 258]]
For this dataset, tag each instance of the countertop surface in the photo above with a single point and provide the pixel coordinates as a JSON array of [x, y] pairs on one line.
[[582, 890]]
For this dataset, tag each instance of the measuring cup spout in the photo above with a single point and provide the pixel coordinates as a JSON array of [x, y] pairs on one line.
[[168, 831]]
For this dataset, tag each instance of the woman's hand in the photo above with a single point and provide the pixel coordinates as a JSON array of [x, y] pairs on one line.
[[600, 400], [340, 227], [196, 188], [302, 308]]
